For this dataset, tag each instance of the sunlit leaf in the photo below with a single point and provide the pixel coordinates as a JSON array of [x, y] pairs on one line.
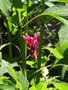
[[63, 34], [61, 85], [3, 68], [59, 0], [6, 87], [13, 73], [23, 80], [5, 6], [55, 52], [41, 86], [61, 10], [19, 85], [32, 88], [57, 17]]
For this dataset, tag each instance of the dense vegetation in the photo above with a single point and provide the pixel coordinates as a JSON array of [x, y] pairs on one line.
[[33, 44]]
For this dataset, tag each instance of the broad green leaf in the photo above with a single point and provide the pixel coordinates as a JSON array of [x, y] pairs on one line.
[[6, 62], [13, 73], [55, 52], [31, 63], [32, 88], [50, 4], [3, 68], [23, 80], [19, 85], [64, 60], [61, 85], [17, 4], [11, 25], [41, 86], [62, 47], [57, 17], [6, 87], [5, 6], [32, 82], [61, 10], [59, 0], [3, 78], [51, 88], [63, 34]]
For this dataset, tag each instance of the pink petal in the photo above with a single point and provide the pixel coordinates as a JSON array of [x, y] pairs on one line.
[[35, 37]]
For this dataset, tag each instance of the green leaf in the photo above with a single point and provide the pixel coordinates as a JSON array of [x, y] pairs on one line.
[[57, 17], [11, 25], [0, 57], [7, 61], [55, 52], [12, 29], [61, 10], [63, 20], [5, 6], [64, 71], [6, 87], [17, 4], [3, 78], [51, 88], [32, 88], [3, 67], [64, 60], [31, 63], [13, 73], [19, 85], [41, 86], [62, 47], [63, 34], [59, 0], [61, 85], [23, 80], [50, 4]]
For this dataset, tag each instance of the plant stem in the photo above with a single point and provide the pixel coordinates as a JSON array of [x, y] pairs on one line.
[[26, 27], [22, 47], [40, 45], [9, 39]]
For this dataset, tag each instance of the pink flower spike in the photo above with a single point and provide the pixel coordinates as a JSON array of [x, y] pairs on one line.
[[36, 36], [28, 39], [32, 43]]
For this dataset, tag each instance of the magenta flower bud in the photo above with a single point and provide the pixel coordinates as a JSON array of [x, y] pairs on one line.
[[33, 44]]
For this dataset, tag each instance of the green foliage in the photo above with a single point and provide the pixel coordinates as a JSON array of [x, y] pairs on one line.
[[63, 34], [5, 6], [39, 86], [61, 85], [59, 0], [19, 70], [61, 10], [13, 73], [55, 52]]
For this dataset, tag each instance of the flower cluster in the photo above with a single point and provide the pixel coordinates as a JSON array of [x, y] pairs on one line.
[[33, 44]]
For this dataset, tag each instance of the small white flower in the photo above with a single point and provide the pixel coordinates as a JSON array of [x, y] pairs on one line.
[[45, 71], [22, 0]]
